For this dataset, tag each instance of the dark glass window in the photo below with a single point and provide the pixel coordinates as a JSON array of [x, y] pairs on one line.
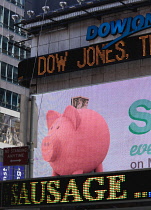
[[3, 70], [1, 15], [10, 49], [1, 43], [17, 30], [13, 1], [9, 72], [7, 21], [8, 99], [16, 52], [2, 97], [11, 23], [19, 3], [22, 54], [4, 44], [15, 75], [28, 54], [6, 18], [15, 101]]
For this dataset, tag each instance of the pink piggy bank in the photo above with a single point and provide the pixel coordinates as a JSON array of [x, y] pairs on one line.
[[77, 141]]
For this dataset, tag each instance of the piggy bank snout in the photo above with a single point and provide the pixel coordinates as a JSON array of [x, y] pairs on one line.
[[46, 142], [49, 151]]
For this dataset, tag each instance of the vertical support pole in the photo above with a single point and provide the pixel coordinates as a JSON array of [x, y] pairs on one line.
[[31, 143]]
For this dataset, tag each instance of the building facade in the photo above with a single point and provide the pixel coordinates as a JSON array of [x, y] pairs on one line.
[[11, 93]]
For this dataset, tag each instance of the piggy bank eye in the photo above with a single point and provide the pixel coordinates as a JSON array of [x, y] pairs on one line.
[[51, 128], [58, 127]]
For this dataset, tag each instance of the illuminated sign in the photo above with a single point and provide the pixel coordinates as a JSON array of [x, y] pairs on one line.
[[85, 58], [19, 172], [82, 189], [11, 172], [126, 27], [111, 131], [6, 172]]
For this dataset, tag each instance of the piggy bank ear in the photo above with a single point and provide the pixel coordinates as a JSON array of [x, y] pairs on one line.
[[51, 117], [72, 114]]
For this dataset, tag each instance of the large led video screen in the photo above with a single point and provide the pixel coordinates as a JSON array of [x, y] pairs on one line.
[[97, 128]]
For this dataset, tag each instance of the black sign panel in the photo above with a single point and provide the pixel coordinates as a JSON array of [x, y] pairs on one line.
[[85, 58], [76, 190]]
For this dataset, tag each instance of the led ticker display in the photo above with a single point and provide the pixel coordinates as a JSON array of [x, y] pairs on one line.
[[80, 189], [85, 58]]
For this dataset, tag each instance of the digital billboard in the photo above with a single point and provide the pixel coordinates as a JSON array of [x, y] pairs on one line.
[[97, 128]]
